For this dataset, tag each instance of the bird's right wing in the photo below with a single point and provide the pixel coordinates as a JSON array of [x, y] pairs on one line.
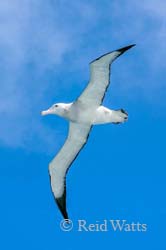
[[58, 167], [99, 78]]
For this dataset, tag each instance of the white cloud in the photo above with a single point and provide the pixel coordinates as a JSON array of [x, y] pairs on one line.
[[38, 37], [35, 36]]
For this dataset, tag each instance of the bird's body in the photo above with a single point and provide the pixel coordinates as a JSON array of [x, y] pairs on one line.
[[76, 112], [82, 114]]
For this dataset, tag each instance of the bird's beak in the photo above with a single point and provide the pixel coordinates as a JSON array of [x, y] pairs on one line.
[[46, 112]]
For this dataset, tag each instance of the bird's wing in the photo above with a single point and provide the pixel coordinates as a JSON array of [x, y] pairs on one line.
[[58, 167], [93, 94]]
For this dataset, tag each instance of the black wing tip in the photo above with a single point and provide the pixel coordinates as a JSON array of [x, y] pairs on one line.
[[122, 50], [61, 202]]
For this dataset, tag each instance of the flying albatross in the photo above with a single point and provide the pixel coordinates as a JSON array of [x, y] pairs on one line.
[[82, 114]]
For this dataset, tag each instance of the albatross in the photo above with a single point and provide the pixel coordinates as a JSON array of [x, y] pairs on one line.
[[82, 114]]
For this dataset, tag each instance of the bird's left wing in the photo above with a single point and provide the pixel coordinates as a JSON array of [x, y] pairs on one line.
[[58, 167], [99, 78]]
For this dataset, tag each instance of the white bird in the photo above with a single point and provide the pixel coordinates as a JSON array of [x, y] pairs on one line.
[[82, 114]]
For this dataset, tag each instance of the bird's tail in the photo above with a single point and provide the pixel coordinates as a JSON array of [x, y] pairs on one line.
[[120, 116]]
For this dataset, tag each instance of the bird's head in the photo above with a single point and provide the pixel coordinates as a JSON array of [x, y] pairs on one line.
[[57, 109]]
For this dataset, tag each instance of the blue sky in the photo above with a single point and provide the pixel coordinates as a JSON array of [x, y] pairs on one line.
[[45, 49]]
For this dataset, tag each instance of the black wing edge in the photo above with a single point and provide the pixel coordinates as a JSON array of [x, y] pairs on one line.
[[122, 50], [61, 201]]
